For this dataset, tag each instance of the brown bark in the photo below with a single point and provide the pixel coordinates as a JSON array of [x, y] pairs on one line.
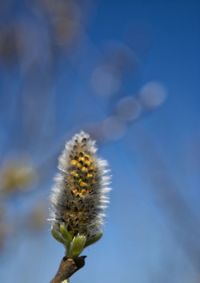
[[67, 268]]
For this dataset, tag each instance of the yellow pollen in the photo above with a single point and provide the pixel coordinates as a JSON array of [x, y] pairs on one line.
[[74, 191], [82, 184], [83, 192], [89, 175], [92, 168], [78, 165], [73, 162], [87, 156], [84, 169], [74, 173], [88, 162]]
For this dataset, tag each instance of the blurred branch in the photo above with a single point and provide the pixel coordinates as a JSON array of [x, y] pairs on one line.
[[183, 221]]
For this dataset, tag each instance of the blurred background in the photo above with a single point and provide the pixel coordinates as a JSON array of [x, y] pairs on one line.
[[128, 73]]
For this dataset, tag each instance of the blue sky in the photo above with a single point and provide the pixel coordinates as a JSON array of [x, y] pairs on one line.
[[139, 242]]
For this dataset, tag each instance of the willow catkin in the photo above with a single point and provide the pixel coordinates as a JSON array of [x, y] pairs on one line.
[[79, 196]]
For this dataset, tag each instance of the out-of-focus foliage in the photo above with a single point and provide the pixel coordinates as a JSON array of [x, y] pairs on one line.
[[16, 177]]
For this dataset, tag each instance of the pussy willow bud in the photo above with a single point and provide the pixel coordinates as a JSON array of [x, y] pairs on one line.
[[79, 195]]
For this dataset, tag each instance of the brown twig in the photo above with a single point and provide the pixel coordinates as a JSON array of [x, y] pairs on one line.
[[68, 267]]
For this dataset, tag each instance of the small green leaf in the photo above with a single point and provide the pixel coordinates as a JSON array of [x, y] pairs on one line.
[[57, 236], [94, 239], [77, 245], [66, 235]]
